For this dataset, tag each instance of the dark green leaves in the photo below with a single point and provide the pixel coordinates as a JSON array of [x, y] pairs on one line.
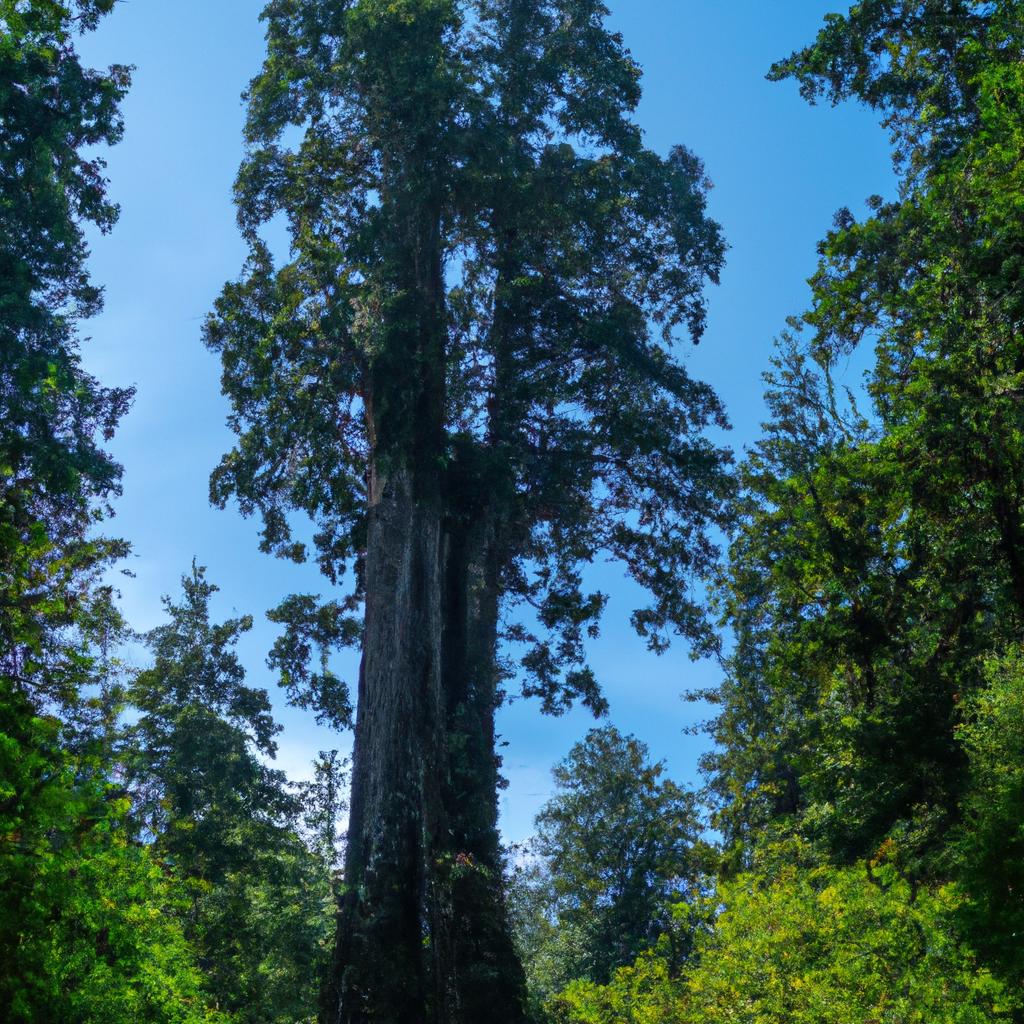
[[256, 901], [312, 631], [571, 257], [616, 845], [878, 568]]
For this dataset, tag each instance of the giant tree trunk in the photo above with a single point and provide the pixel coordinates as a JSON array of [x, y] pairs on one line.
[[423, 933], [381, 970], [391, 913], [487, 977], [488, 983]]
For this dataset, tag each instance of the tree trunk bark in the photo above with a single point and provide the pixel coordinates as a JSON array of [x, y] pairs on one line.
[[487, 978], [384, 966], [423, 930], [381, 970]]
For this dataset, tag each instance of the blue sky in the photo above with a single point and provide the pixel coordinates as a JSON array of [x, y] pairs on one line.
[[780, 169]]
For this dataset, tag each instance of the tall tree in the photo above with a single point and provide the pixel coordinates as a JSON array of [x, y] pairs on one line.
[[53, 415], [88, 931], [876, 576], [456, 376], [616, 847], [222, 821], [324, 804]]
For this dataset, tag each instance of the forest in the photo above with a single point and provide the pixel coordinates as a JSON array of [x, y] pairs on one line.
[[459, 384]]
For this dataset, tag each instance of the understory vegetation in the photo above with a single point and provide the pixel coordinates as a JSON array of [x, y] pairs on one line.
[[462, 374]]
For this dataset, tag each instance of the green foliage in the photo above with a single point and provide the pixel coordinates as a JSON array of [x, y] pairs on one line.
[[880, 559], [258, 900], [324, 802], [52, 414], [876, 582], [546, 948], [858, 624], [194, 708], [314, 627], [88, 919], [568, 256], [616, 847], [809, 946], [486, 273], [88, 932], [990, 844]]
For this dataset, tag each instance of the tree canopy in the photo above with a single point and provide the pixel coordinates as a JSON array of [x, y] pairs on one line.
[[563, 241], [615, 848]]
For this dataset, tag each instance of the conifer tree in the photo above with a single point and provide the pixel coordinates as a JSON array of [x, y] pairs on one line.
[[324, 803], [224, 824], [87, 930], [462, 372], [54, 473], [875, 584], [617, 846]]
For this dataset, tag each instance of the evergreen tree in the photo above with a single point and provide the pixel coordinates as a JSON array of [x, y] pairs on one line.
[[617, 846], [223, 822], [53, 415], [84, 928], [324, 803], [455, 374], [876, 576]]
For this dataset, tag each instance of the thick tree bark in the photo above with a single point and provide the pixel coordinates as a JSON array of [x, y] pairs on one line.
[[392, 912], [423, 931], [487, 979], [382, 969]]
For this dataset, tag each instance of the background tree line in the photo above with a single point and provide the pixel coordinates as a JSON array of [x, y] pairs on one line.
[[462, 373]]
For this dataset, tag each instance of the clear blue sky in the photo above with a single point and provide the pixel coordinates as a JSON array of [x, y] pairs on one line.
[[780, 169]]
